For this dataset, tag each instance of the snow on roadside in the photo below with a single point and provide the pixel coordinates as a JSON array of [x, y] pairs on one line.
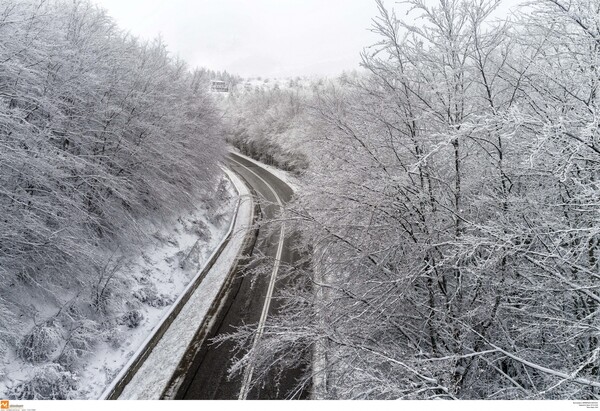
[[284, 176], [161, 280], [154, 375], [151, 281]]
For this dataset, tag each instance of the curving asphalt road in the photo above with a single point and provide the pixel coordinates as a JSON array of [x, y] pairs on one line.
[[207, 376]]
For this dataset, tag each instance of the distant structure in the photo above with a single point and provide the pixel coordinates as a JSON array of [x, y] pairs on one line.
[[219, 86]]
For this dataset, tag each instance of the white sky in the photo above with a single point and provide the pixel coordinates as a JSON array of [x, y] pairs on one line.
[[268, 38]]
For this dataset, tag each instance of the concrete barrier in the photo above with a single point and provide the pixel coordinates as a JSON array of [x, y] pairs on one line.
[[181, 379], [114, 390]]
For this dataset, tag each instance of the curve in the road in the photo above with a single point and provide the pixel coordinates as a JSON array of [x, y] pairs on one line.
[[250, 299], [265, 311]]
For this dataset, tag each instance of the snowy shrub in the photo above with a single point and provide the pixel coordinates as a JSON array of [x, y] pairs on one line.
[[39, 344], [133, 304], [115, 338], [49, 382], [132, 319], [182, 257], [69, 357], [199, 229], [80, 342], [150, 296]]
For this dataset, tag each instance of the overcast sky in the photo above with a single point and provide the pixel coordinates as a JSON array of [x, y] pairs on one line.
[[269, 38]]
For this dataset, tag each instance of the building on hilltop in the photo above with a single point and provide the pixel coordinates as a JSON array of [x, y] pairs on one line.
[[219, 86]]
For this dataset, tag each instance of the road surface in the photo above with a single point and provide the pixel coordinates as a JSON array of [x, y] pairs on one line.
[[207, 377]]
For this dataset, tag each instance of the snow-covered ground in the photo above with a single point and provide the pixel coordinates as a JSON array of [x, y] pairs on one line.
[[160, 269], [154, 375], [156, 278]]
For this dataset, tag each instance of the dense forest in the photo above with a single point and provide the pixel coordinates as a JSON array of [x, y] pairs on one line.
[[266, 123], [449, 209], [447, 206], [102, 138]]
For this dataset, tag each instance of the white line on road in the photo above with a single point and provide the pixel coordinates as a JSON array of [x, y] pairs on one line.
[[263, 317]]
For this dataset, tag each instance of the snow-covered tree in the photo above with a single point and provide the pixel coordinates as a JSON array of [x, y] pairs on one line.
[[450, 212], [100, 135]]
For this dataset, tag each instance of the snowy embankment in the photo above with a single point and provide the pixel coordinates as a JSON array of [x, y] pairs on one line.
[[161, 267], [154, 375], [157, 277]]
